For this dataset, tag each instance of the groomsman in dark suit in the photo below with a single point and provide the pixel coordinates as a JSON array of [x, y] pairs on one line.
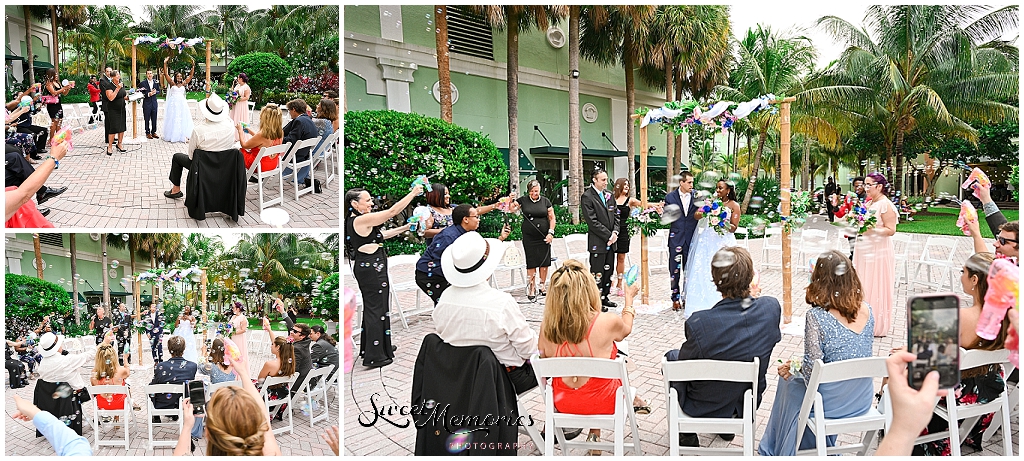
[[150, 88], [680, 234], [156, 332], [603, 231]]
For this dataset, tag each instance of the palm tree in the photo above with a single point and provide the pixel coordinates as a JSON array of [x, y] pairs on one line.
[[278, 262], [73, 247], [922, 65], [620, 38], [67, 17], [767, 64], [517, 19], [39, 256], [575, 148], [108, 29], [39, 11], [443, 73], [228, 20]]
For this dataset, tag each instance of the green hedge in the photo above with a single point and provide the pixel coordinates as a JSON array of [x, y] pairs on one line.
[[266, 71], [325, 304], [28, 299], [282, 97]]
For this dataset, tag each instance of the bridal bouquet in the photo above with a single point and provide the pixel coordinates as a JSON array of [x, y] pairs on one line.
[[856, 214], [231, 99], [644, 222], [718, 215]]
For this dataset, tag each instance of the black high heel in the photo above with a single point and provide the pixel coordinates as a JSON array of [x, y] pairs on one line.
[[109, 152], [120, 149]]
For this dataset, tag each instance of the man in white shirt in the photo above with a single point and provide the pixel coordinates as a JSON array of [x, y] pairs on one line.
[[472, 313], [214, 133]]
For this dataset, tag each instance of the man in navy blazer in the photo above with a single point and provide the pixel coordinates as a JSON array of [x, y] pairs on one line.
[[150, 88], [155, 330], [738, 328], [680, 234], [175, 370]]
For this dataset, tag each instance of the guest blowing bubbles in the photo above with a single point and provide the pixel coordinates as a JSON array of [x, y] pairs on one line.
[[364, 235]]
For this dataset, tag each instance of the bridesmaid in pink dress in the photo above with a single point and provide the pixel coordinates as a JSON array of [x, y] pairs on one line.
[[240, 112], [240, 325], [873, 255]]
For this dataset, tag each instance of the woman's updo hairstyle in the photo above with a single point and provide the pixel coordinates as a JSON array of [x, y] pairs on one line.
[[236, 423]]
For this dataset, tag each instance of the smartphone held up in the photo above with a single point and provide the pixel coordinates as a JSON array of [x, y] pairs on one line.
[[934, 337]]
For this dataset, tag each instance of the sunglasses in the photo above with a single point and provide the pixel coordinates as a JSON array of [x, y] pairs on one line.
[[298, 332], [1003, 240]]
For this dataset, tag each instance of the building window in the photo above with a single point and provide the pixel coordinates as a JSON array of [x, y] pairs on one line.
[[469, 34]]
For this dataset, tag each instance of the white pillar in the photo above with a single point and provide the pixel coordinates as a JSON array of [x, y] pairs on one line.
[[397, 77]]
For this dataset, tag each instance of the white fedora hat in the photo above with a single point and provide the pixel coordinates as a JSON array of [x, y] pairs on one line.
[[50, 344], [214, 108], [471, 259]]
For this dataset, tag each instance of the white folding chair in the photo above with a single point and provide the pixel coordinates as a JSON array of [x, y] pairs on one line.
[[395, 262], [325, 155], [530, 430], [657, 251], [938, 256], [272, 404], [213, 387], [869, 423], [125, 414], [514, 262], [308, 396], [772, 241], [579, 241], [251, 105], [902, 244], [154, 389], [295, 164], [710, 370], [260, 175], [970, 413], [1013, 397], [554, 421], [743, 237], [812, 243]]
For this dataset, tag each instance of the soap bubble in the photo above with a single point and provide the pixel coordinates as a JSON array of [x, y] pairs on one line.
[[756, 202], [114, 264], [295, 261], [459, 441], [305, 264], [125, 237], [723, 259], [672, 213], [840, 269], [63, 391]]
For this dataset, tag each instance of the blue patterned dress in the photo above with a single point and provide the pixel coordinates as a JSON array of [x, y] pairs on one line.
[[827, 339]]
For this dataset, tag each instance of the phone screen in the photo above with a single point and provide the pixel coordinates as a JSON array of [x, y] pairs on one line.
[[934, 337], [197, 395]]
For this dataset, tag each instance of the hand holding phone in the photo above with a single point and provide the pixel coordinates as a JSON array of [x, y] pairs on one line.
[[934, 338], [197, 396]]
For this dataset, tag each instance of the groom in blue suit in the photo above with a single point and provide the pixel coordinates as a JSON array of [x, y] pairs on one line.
[[680, 234], [149, 88]]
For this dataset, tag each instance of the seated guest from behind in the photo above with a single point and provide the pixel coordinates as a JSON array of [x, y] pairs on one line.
[[215, 132], [300, 128], [175, 370], [472, 313], [574, 326], [327, 112], [737, 328], [839, 326], [106, 371], [269, 135], [217, 368]]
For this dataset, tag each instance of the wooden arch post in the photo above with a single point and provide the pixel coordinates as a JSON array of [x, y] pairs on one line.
[[784, 169], [644, 263]]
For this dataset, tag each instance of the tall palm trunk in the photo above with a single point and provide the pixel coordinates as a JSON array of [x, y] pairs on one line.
[[898, 158], [753, 175], [512, 82], [28, 49], [806, 164], [575, 149], [53, 29], [627, 64], [443, 74], [74, 270], [39, 256], [670, 144]]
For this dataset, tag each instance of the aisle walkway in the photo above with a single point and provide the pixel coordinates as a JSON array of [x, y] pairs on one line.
[[656, 330], [125, 190]]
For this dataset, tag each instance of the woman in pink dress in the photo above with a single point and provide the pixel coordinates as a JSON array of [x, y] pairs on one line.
[[873, 255], [240, 325], [240, 112]]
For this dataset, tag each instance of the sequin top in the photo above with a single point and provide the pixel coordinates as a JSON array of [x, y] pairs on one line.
[[441, 220], [827, 339]]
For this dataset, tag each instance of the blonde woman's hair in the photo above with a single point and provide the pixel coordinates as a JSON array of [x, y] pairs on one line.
[[236, 423], [106, 362], [270, 122], [572, 298]]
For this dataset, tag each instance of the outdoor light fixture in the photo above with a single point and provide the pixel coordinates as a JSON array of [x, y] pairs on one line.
[[574, 73]]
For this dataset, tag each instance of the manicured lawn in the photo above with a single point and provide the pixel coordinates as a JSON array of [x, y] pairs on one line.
[[256, 323], [942, 221]]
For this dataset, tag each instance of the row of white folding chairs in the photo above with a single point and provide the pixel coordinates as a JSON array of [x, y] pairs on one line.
[[325, 154]]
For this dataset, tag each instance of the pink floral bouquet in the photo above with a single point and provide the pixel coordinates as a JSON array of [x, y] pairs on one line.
[[231, 98]]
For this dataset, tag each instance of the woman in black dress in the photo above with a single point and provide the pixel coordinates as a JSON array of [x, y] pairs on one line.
[[538, 233], [116, 122], [623, 206], [363, 238]]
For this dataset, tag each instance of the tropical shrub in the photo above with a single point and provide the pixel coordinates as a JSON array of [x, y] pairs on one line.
[[28, 300], [325, 304], [282, 98], [316, 84], [266, 72], [321, 55]]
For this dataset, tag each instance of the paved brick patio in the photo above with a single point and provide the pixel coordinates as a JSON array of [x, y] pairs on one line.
[[656, 330], [126, 190], [20, 440]]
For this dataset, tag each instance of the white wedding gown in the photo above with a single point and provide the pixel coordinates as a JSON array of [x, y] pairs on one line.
[[177, 117], [185, 331], [700, 289]]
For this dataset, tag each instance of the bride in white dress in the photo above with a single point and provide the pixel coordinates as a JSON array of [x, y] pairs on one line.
[[185, 329], [701, 291], [177, 116]]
